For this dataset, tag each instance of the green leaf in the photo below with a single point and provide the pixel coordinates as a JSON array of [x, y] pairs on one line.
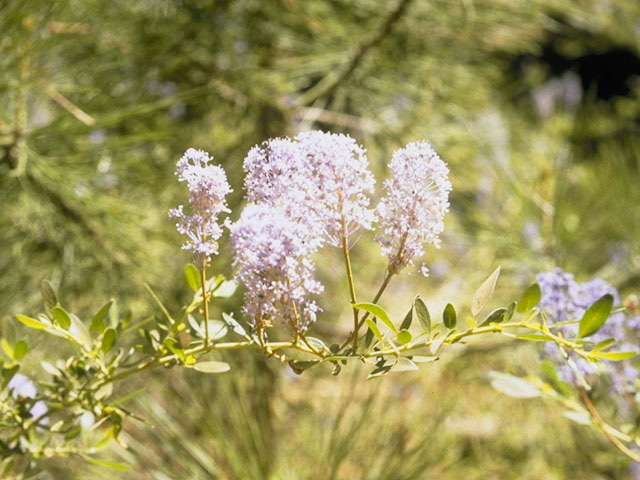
[[316, 343], [217, 329], [107, 463], [614, 356], [49, 297], [510, 310], [6, 348], [212, 367], [174, 347], [595, 316], [530, 298], [80, 332], [193, 276], [61, 316], [108, 340], [233, 323], [604, 344], [404, 337], [97, 322], [580, 418], [31, 322], [449, 317], [408, 318], [422, 313], [374, 328], [497, 316], [404, 365], [299, 366], [20, 349], [513, 386], [379, 312], [483, 294], [225, 289]]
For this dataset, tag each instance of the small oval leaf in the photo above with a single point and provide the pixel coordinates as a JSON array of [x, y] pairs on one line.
[[108, 340], [379, 312], [61, 316], [97, 322], [422, 312], [192, 274], [212, 367], [513, 386], [20, 349], [595, 316], [483, 294], [530, 298], [449, 317], [374, 328], [404, 337], [31, 322]]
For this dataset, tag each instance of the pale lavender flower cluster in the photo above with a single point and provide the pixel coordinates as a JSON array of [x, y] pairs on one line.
[[208, 188], [272, 259], [338, 167], [563, 299], [320, 179], [417, 198]]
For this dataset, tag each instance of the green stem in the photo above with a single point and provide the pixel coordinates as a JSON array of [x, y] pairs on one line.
[[352, 288], [205, 302], [381, 290]]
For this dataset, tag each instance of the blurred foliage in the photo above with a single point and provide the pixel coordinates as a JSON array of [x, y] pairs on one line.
[[533, 104]]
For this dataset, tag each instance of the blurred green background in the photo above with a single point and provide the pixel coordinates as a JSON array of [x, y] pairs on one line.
[[534, 105]]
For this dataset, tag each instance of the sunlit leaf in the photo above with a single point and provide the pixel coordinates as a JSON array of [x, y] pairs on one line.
[[20, 349], [614, 356], [595, 316], [192, 274], [483, 294], [374, 328], [108, 340], [379, 312], [449, 317], [530, 298], [513, 386], [404, 337], [97, 322], [61, 316], [422, 312], [31, 322], [212, 367]]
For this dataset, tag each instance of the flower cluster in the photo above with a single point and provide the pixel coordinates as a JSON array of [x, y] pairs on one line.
[[303, 193], [273, 261], [320, 179], [208, 188], [417, 198], [563, 300]]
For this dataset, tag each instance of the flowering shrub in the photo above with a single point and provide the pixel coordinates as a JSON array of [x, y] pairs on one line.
[[304, 195]]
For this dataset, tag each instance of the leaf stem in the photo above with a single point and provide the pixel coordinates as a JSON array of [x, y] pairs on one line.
[[205, 301]]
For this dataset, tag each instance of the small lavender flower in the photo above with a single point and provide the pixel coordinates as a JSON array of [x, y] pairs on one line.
[[417, 198], [272, 259], [208, 188], [563, 299]]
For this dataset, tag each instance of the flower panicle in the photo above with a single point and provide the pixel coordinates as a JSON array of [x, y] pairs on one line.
[[416, 200], [208, 187]]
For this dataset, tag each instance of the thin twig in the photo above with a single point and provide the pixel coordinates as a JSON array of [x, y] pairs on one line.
[[355, 57]]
